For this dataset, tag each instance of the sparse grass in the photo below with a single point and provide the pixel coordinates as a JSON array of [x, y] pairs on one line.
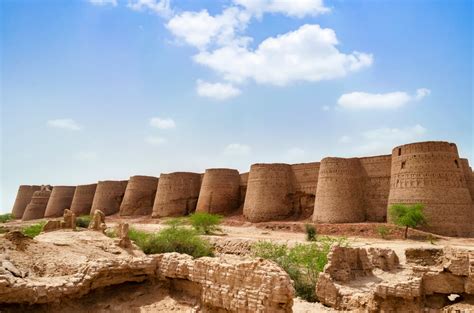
[[83, 221], [205, 223], [3, 230], [111, 233], [303, 262], [33, 230], [310, 232], [172, 239], [383, 231], [5, 218]]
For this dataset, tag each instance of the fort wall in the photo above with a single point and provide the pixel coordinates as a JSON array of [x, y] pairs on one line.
[[139, 196], [23, 197], [270, 192], [177, 194], [60, 199], [220, 191], [83, 197], [339, 195], [430, 173], [305, 177], [376, 186], [468, 174], [108, 196], [37, 206], [244, 177]]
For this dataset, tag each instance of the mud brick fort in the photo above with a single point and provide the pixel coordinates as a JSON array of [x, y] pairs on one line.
[[335, 190]]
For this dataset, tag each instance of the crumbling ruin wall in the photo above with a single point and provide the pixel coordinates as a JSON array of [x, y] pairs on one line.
[[37, 206], [220, 191], [139, 196], [306, 182], [83, 198], [23, 197], [340, 193], [430, 173], [270, 192], [468, 174], [177, 194], [376, 186], [108, 196], [60, 199]]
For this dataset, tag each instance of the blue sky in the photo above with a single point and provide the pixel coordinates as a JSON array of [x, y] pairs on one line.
[[106, 89]]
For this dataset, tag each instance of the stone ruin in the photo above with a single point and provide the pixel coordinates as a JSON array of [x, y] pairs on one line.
[[335, 190], [37, 206]]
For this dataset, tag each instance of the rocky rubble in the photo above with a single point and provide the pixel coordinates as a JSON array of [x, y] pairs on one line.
[[373, 280]]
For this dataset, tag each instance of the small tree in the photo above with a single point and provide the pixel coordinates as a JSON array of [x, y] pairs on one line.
[[310, 232], [408, 215], [205, 223]]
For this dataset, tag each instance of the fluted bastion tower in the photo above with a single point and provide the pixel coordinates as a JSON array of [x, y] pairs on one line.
[[60, 199], [339, 195], [23, 197], [139, 196], [36, 208], [82, 200], [430, 173], [177, 194], [270, 191], [108, 196], [220, 191]]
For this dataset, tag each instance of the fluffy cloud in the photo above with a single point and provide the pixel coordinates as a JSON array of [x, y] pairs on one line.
[[218, 91], [392, 100], [298, 8], [161, 7], [155, 140], [382, 140], [237, 149], [306, 54], [104, 2], [64, 123], [199, 29], [162, 123]]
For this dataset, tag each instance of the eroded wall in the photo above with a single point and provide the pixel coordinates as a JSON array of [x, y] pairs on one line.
[[430, 173], [220, 191], [177, 194], [60, 199], [83, 198], [23, 197], [305, 177], [37, 206], [139, 196]]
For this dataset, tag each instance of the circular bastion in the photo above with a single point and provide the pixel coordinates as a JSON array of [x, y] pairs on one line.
[[220, 191], [82, 200], [270, 191], [430, 173], [108, 196], [177, 194], [23, 198], [139, 196], [339, 195], [60, 199], [36, 208]]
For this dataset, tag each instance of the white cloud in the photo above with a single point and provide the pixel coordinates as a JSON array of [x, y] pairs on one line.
[[86, 156], [64, 123], [306, 54], [155, 140], [162, 123], [299, 8], [237, 149], [382, 140], [219, 91], [392, 100], [160, 7], [104, 2], [199, 29]]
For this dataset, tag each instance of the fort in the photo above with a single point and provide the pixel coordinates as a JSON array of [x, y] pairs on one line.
[[335, 190]]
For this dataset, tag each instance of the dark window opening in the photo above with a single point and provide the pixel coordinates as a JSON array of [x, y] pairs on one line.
[[403, 164], [399, 151], [456, 162]]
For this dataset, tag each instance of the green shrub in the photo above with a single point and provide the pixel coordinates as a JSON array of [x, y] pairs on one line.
[[83, 221], [408, 215], [303, 262], [5, 218], [383, 231], [33, 230], [310, 232], [205, 223], [111, 233], [172, 239]]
